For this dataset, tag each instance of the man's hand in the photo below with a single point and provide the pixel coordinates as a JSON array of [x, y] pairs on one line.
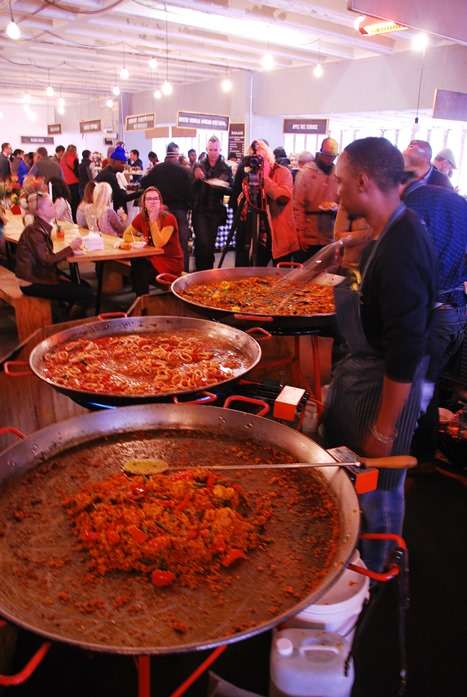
[[198, 173]]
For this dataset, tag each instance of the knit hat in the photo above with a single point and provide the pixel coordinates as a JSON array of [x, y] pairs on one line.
[[118, 154], [448, 155]]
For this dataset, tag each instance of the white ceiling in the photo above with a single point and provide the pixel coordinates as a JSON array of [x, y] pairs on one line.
[[81, 45]]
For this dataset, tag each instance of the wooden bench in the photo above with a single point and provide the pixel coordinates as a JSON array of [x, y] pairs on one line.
[[31, 313]]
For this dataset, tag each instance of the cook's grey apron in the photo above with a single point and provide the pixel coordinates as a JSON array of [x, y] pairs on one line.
[[354, 395]]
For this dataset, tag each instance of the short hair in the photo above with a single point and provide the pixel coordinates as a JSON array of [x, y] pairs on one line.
[[135, 151], [5, 145], [191, 150], [42, 152], [214, 139], [18, 152], [279, 152], [172, 147], [232, 155], [305, 156], [152, 154], [423, 147], [379, 159], [86, 153], [60, 148]]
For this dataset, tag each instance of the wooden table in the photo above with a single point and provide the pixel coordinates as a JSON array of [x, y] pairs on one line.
[[14, 228]]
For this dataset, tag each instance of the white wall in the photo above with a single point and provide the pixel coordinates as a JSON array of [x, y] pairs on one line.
[[15, 124]]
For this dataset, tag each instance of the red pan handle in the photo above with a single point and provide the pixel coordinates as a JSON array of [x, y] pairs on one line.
[[111, 315], [205, 397], [289, 265], [29, 668], [15, 431], [253, 318], [261, 334], [393, 570], [249, 400], [10, 369], [166, 279]]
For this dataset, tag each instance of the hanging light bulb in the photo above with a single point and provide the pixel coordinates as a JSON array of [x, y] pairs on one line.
[[61, 110], [50, 91], [124, 74], [153, 63], [26, 98], [157, 94], [1, 114], [109, 103], [167, 88], [420, 42], [268, 61], [116, 90], [13, 31], [61, 102], [318, 70], [226, 85]]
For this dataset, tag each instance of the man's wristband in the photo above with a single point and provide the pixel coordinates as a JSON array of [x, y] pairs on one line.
[[380, 437]]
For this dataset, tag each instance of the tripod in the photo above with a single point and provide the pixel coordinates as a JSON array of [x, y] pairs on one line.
[[250, 222]]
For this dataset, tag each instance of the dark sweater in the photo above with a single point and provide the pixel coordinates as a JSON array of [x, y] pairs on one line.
[[437, 178], [173, 181], [398, 294], [119, 197]]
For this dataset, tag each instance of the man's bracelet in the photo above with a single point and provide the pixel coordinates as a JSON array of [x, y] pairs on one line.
[[380, 437]]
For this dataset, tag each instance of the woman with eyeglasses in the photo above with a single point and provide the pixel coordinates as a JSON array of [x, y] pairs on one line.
[[158, 228]]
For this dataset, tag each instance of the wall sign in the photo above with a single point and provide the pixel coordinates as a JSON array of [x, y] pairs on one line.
[[158, 132], [450, 105], [306, 126], [213, 122], [37, 140], [140, 122], [183, 132], [237, 139], [92, 126], [54, 129]]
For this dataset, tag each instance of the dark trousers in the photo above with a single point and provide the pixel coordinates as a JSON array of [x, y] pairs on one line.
[[143, 273], [205, 225], [445, 339], [74, 293], [74, 190], [304, 254], [183, 234]]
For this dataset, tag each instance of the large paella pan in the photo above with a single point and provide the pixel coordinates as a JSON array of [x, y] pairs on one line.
[[141, 359], [48, 586]]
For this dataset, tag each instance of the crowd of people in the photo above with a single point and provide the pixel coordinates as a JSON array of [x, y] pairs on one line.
[[402, 229]]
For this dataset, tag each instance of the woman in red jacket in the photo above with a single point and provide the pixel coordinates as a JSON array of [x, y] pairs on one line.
[[69, 165], [157, 228]]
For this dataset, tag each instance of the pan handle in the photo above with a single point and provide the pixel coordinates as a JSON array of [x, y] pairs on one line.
[[391, 461], [289, 265], [394, 568], [253, 318], [205, 397], [166, 279], [261, 334], [249, 400], [111, 315], [10, 369], [29, 668]]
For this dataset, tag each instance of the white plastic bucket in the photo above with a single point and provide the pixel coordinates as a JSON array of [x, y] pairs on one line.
[[309, 663], [339, 608]]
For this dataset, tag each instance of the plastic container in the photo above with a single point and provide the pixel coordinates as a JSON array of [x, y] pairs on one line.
[[309, 663], [339, 608]]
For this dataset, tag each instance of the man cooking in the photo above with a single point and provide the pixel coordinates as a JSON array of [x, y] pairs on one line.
[[375, 396]]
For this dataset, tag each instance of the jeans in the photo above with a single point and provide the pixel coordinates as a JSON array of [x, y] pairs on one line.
[[205, 224], [445, 339], [183, 234], [382, 511]]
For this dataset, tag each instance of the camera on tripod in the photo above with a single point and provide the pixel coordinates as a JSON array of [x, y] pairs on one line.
[[253, 166]]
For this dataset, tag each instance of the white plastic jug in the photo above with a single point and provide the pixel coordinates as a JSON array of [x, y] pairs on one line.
[[309, 663], [338, 609]]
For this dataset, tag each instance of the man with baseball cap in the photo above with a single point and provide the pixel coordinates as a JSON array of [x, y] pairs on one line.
[[417, 160], [445, 162], [315, 197], [117, 163]]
